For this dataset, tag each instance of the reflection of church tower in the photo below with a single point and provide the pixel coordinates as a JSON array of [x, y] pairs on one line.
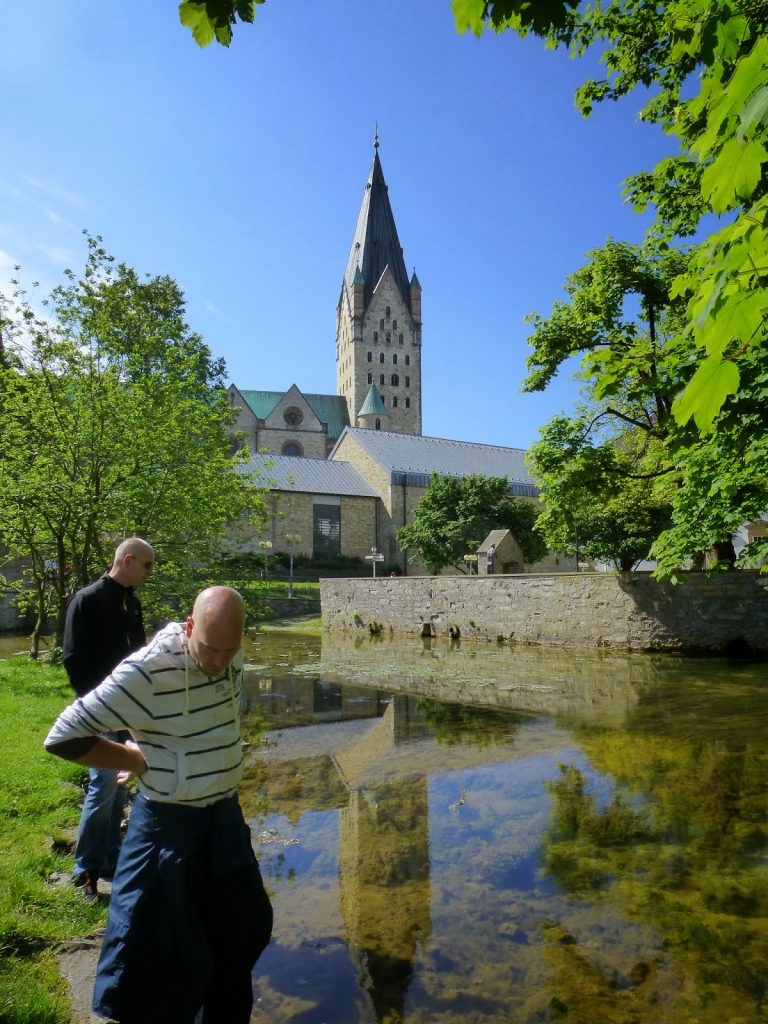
[[384, 879], [378, 318]]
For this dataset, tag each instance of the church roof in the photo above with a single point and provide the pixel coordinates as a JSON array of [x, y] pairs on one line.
[[316, 476], [373, 404], [411, 459], [376, 245], [329, 409]]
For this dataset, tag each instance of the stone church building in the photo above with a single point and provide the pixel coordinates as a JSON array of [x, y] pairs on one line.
[[345, 471]]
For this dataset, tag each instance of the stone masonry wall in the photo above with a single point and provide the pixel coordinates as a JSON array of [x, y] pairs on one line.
[[621, 611]]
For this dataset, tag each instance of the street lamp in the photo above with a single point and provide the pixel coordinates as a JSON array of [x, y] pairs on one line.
[[291, 538], [266, 546]]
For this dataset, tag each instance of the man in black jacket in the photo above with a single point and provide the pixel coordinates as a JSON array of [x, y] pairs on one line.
[[104, 625]]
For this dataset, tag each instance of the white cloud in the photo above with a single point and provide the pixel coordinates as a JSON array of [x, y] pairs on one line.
[[56, 192], [56, 218]]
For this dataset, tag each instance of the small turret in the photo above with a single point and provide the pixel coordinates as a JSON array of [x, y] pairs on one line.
[[373, 413]]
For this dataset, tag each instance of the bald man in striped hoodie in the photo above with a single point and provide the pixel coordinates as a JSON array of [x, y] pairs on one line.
[[188, 915]]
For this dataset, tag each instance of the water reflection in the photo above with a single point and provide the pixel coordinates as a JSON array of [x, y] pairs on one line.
[[585, 840]]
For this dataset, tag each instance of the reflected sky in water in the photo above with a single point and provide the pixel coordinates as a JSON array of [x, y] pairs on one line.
[[462, 833]]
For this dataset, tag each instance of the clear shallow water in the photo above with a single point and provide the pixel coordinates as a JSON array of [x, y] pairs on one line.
[[570, 837]]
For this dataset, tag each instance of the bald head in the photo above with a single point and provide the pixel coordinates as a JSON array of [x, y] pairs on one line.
[[215, 628], [133, 562]]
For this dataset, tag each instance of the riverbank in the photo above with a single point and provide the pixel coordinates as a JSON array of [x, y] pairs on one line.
[[39, 810]]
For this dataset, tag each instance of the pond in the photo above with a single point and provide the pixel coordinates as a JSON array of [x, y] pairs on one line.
[[474, 833], [459, 833]]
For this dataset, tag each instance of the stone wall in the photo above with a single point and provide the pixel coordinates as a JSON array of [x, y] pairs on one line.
[[620, 611]]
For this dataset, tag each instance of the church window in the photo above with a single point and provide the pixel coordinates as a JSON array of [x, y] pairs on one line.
[[375, 335], [400, 339], [381, 357], [326, 531], [370, 378], [395, 380], [394, 402], [407, 382], [293, 416], [381, 322], [394, 325], [378, 424], [407, 360], [407, 403], [370, 357], [389, 337], [381, 379], [291, 448], [394, 359], [387, 312]]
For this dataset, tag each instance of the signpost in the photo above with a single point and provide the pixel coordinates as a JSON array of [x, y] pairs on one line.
[[471, 561], [374, 557]]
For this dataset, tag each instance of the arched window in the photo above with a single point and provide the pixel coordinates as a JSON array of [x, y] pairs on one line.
[[395, 380], [394, 401], [394, 359], [370, 378], [370, 357], [387, 312], [291, 448], [407, 360], [375, 335], [381, 379], [381, 357], [381, 322], [407, 403], [407, 382], [389, 337], [378, 424], [400, 339], [394, 325]]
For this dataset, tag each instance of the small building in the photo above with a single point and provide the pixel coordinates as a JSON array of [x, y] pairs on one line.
[[500, 554]]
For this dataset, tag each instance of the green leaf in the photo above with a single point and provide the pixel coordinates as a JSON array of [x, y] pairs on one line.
[[755, 111], [194, 16], [469, 14], [706, 392]]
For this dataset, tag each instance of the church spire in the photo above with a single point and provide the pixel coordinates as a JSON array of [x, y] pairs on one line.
[[376, 244]]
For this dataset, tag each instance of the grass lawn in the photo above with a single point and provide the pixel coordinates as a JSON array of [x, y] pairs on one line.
[[39, 806]]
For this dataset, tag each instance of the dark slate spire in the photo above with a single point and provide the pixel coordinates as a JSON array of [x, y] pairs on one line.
[[376, 245]]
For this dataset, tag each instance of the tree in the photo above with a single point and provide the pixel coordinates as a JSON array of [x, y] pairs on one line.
[[114, 423], [455, 515], [622, 472], [213, 19], [605, 471], [705, 64]]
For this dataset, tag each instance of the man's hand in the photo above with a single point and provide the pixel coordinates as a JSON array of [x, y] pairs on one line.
[[126, 774]]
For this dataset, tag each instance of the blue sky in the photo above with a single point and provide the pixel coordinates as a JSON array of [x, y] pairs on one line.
[[240, 173]]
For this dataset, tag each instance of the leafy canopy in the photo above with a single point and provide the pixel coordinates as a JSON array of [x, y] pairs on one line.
[[455, 515], [114, 423], [702, 68]]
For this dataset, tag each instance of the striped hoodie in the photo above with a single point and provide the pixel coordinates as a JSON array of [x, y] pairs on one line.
[[186, 724]]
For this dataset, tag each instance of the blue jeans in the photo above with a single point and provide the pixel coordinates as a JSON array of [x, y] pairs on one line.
[[98, 837], [188, 918]]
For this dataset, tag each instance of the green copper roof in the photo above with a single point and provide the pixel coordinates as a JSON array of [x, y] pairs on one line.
[[329, 409], [358, 278], [415, 284], [373, 404]]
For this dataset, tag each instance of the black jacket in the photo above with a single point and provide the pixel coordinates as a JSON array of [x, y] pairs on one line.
[[104, 625]]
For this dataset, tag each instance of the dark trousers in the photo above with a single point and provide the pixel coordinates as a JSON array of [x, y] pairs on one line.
[[188, 918]]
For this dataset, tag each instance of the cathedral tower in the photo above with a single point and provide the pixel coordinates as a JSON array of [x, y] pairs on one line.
[[378, 318]]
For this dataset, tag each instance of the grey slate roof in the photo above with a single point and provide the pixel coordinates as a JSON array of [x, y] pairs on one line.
[[376, 244], [315, 476], [412, 459]]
